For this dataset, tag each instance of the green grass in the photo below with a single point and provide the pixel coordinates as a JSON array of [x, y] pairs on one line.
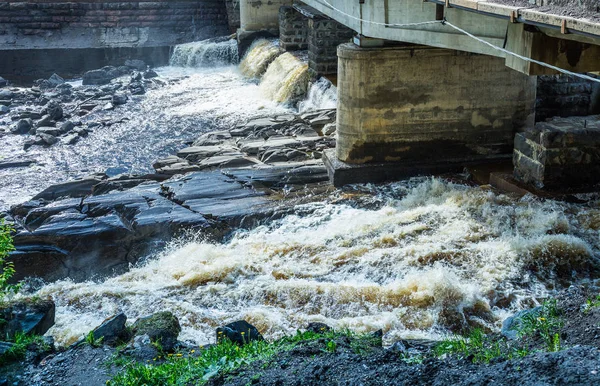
[[7, 269], [220, 359], [21, 342], [481, 348], [592, 303]]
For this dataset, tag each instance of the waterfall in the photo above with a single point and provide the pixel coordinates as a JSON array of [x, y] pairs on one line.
[[207, 53], [260, 54], [286, 79], [321, 95]]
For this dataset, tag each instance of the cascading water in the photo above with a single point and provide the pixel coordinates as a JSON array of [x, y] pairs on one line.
[[322, 94], [260, 54], [285, 80], [206, 53], [435, 257]]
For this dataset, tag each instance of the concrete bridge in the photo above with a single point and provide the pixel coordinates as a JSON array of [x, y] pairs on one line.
[[433, 85]]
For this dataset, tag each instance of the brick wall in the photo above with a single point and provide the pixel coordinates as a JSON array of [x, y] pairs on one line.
[[324, 35], [293, 29], [26, 24], [566, 96]]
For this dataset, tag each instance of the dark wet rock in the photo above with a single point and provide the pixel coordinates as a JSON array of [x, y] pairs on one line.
[[178, 168], [6, 94], [234, 160], [112, 330], [46, 121], [30, 115], [101, 76], [46, 139], [510, 326], [76, 188], [54, 110], [3, 82], [239, 332], [22, 126], [213, 138], [198, 153], [16, 163], [71, 139], [125, 181], [67, 126], [318, 328], [163, 328], [29, 316], [149, 74], [52, 82], [136, 88], [119, 99], [278, 176], [29, 143], [136, 64], [53, 131], [4, 109]]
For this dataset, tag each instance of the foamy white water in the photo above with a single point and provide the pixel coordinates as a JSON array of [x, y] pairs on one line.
[[435, 258], [322, 94]]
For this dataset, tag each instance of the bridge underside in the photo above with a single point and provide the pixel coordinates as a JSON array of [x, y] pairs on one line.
[[429, 97]]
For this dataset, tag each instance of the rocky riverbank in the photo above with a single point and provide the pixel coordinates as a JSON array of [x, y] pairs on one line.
[[116, 353]]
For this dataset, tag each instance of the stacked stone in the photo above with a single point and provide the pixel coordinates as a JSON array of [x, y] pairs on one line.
[[293, 29], [324, 36], [32, 17], [566, 96], [561, 154]]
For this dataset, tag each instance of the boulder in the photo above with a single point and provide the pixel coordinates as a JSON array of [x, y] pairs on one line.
[[318, 328], [71, 139], [22, 126], [150, 74], [29, 316], [162, 328], [141, 349], [100, 76], [3, 82], [136, 64], [46, 139], [72, 189], [53, 131], [240, 332], [54, 110], [119, 99], [52, 82], [46, 121], [4, 109], [66, 127], [6, 94], [112, 330]]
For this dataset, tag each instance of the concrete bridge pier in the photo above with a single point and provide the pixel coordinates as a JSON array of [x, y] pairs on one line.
[[410, 110]]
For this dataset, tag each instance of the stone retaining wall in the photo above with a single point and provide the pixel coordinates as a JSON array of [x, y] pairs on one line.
[[566, 96], [562, 154], [293, 29], [324, 37], [44, 24]]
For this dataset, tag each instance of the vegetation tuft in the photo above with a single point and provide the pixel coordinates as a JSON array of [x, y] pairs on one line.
[[220, 359], [544, 325], [20, 344], [7, 269]]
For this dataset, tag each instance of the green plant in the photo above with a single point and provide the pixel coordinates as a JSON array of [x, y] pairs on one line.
[[7, 269], [590, 304], [546, 324], [21, 342], [90, 339], [222, 358]]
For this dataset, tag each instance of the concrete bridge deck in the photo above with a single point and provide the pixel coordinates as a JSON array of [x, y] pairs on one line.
[[571, 43]]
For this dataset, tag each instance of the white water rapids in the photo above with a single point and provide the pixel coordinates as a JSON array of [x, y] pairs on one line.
[[433, 257], [436, 256]]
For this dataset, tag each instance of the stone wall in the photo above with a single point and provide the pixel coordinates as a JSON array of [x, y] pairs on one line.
[[566, 96], [47, 24], [293, 29], [233, 14], [562, 154], [324, 37]]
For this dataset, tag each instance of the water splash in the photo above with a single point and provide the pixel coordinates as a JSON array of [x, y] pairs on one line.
[[321, 95], [206, 53], [286, 79], [259, 56], [436, 257]]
